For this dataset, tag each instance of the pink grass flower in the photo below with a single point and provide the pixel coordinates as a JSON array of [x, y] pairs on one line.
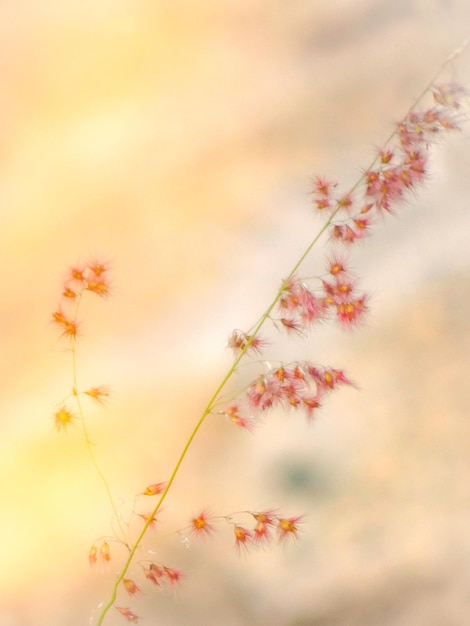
[[265, 521], [172, 575], [239, 341], [449, 94], [155, 573], [303, 307], [131, 588], [128, 614], [337, 265], [235, 415], [299, 385], [322, 194], [243, 537], [352, 313], [310, 404], [201, 525]]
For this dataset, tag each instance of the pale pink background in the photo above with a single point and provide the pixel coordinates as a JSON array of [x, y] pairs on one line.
[[177, 139]]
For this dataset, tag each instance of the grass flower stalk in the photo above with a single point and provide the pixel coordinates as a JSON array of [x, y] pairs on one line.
[[399, 168]]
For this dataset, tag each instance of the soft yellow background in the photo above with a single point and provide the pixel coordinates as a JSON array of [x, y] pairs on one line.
[[176, 139]]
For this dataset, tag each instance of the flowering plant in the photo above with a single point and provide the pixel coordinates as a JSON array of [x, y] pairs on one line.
[[399, 168]]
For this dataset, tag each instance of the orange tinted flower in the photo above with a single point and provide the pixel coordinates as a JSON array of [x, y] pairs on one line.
[[153, 490], [98, 286], [201, 525], [100, 394], [105, 552], [58, 317], [69, 293], [98, 267], [76, 274], [70, 330], [288, 527], [63, 418], [92, 555], [232, 412]]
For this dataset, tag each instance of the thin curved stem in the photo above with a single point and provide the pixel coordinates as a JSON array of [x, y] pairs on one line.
[[88, 441]]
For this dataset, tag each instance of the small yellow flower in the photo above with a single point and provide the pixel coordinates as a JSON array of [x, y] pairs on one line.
[[63, 417]]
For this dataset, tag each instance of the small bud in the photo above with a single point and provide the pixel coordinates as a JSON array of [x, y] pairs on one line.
[[105, 552], [100, 394], [131, 587], [153, 490], [243, 537], [92, 555]]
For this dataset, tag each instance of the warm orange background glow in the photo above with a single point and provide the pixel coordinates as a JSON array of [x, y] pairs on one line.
[[176, 140]]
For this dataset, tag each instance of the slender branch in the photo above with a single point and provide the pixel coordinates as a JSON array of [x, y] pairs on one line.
[[88, 441]]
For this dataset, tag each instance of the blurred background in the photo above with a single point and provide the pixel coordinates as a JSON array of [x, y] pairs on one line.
[[177, 140]]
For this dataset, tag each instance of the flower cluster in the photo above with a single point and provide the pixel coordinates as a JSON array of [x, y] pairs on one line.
[[299, 385], [399, 168], [342, 296], [159, 574], [88, 277], [300, 306], [102, 551], [267, 526], [240, 341], [92, 277]]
